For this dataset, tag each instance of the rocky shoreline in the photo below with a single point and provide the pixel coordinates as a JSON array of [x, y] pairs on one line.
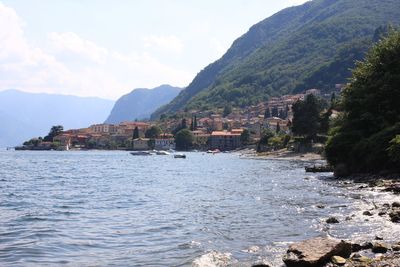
[[282, 154], [331, 252]]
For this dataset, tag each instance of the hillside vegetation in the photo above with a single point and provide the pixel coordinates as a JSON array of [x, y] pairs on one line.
[[367, 137], [312, 45]]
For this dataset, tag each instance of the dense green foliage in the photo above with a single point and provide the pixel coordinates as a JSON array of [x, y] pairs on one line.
[[272, 141], [245, 137], [54, 131], [184, 139], [303, 47], [153, 132], [135, 133], [306, 117], [366, 138]]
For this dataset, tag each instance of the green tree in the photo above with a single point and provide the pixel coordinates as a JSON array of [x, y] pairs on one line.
[[54, 131], [266, 135], [153, 132], [163, 117], [184, 139], [364, 140], [274, 112], [245, 136], [306, 117], [227, 110], [135, 133], [267, 113], [278, 127], [151, 143]]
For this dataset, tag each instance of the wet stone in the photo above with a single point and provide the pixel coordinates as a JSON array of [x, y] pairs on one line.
[[332, 220], [379, 247], [338, 260], [396, 247], [396, 204], [395, 215], [356, 247], [366, 245], [315, 252], [359, 258], [367, 213]]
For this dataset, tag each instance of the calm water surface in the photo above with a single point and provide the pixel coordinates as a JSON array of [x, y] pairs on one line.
[[112, 209]]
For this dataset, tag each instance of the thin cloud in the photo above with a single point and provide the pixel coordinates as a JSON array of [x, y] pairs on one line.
[[72, 43], [168, 43], [70, 64]]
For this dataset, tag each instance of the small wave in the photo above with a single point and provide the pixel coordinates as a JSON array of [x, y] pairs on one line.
[[214, 259], [252, 250]]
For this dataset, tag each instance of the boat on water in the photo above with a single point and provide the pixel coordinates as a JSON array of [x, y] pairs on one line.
[[162, 153], [140, 153], [215, 151], [180, 156]]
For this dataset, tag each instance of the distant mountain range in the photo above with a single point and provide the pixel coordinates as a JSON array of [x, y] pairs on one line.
[[141, 103], [312, 45], [26, 115]]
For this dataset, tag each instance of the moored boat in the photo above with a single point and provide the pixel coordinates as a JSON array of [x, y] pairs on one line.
[[180, 156], [162, 153], [140, 153]]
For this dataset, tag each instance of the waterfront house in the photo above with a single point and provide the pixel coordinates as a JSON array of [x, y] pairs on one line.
[[164, 143], [141, 144], [104, 128], [224, 140]]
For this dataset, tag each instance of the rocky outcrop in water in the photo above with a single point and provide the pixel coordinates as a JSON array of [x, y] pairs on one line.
[[315, 252]]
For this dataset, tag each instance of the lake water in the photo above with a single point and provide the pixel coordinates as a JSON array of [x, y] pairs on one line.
[[100, 208]]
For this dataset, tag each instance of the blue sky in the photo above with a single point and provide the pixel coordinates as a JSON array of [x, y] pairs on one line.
[[107, 48]]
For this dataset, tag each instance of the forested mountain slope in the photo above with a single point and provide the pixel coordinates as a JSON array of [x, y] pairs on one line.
[[311, 45]]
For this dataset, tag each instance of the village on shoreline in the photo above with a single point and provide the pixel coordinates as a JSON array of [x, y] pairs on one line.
[[224, 129]]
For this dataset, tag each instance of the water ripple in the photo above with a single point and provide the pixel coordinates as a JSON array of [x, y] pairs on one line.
[[112, 209]]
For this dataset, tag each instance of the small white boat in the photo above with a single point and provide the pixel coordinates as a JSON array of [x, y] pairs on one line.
[[140, 153], [162, 153], [180, 156]]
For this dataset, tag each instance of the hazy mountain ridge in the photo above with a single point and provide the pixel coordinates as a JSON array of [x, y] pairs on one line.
[[25, 115], [280, 53], [141, 103]]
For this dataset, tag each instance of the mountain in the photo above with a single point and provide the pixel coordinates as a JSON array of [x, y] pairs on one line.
[[26, 115], [288, 52], [140, 103]]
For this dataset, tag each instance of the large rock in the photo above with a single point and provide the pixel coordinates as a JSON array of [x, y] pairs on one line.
[[395, 215], [315, 252]]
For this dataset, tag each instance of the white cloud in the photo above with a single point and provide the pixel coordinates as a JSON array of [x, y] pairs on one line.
[[70, 42], [168, 43], [70, 64]]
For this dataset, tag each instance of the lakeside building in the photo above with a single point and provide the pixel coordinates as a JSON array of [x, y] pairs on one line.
[[224, 140], [141, 144], [272, 123], [164, 143], [201, 139], [104, 128]]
